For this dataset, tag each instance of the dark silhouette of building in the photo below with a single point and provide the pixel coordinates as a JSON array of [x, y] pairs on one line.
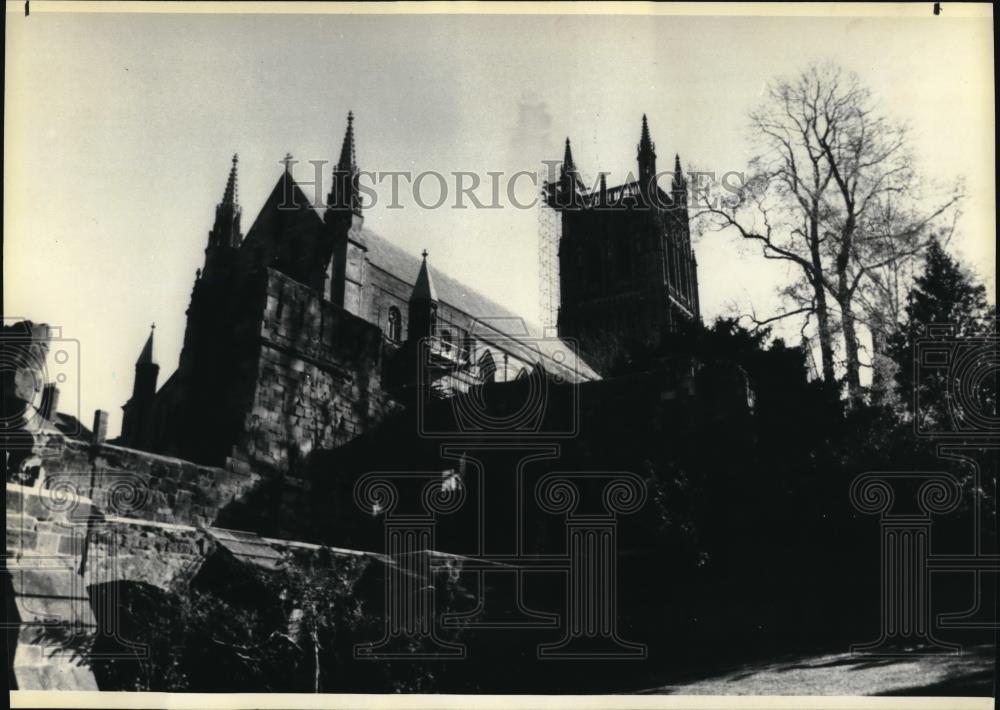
[[627, 272], [311, 328], [137, 410]]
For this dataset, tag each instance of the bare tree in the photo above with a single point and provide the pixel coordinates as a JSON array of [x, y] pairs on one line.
[[783, 205], [868, 158], [833, 190]]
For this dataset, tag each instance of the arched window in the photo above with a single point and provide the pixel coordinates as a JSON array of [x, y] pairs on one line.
[[487, 368], [395, 330]]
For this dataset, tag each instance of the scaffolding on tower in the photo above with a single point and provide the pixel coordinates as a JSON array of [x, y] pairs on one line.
[[549, 234]]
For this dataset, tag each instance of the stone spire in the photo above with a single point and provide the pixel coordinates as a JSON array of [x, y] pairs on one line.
[[146, 356], [230, 196], [568, 166], [423, 289], [646, 145], [348, 157], [646, 154], [344, 191], [569, 179], [679, 182], [423, 305], [226, 230], [137, 411]]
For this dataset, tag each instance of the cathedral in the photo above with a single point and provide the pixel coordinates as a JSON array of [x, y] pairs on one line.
[[310, 329]]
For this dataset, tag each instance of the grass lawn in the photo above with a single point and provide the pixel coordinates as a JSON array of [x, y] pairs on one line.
[[969, 674]]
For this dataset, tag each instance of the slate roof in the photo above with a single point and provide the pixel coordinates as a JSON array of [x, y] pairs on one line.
[[385, 255]]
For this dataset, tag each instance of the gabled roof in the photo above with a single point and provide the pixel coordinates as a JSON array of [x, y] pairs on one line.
[[291, 194]]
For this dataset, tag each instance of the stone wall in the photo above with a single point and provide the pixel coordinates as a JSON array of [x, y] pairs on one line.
[[136, 484], [95, 517], [50, 621], [70, 569], [127, 483], [318, 380]]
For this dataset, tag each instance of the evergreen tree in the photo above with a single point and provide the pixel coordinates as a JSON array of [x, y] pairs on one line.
[[944, 294]]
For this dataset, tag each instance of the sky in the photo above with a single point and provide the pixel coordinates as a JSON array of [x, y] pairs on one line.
[[119, 130]]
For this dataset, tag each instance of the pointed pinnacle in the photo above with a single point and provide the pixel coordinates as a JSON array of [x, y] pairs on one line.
[[645, 142], [146, 356], [229, 197], [423, 289], [678, 172], [347, 154], [568, 165]]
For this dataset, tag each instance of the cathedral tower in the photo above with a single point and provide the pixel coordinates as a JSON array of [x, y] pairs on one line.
[[627, 273]]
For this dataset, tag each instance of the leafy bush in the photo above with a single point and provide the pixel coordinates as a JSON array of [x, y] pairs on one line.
[[240, 628]]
